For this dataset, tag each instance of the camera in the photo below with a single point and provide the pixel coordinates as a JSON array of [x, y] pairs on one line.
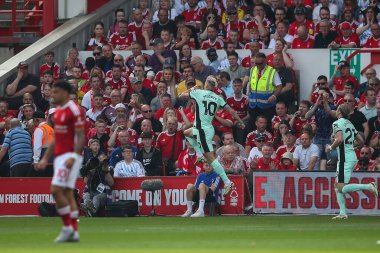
[[94, 165]]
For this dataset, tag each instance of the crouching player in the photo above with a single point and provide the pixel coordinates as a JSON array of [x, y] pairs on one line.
[[206, 189], [345, 136], [67, 146]]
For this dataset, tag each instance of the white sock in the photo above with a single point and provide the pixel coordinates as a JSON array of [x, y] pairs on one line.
[[190, 205], [201, 205]]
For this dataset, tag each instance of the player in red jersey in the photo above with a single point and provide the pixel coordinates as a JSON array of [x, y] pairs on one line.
[[67, 146]]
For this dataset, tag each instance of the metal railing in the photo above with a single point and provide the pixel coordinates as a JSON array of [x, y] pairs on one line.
[[77, 30]]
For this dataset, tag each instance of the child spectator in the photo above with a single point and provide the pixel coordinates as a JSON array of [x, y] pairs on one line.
[[50, 65]]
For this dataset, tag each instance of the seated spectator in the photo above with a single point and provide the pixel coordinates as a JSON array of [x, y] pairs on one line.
[[185, 84], [325, 35], [4, 114], [139, 72], [363, 165], [73, 53], [27, 99], [162, 89], [281, 33], [117, 153], [266, 162], [93, 150], [300, 20], [235, 70], [106, 61], [44, 103], [303, 39], [365, 157], [97, 109], [206, 189], [281, 114], [138, 88], [148, 72], [144, 8], [279, 137], [171, 143], [123, 39], [201, 71], [19, 84], [347, 39], [167, 5], [109, 113], [289, 144], [150, 157], [97, 38], [50, 65], [324, 14], [254, 47], [146, 128], [369, 74], [114, 28], [212, 56], [157, 60], [338, 82], [232, 162], [119, 82], [369, 110], [286, 162], [166, 36], [130, 61], [163, 23], [187, 161], [121, 123], [98, 179], [228, 139], [256, 152], [147, 113], [306, 156], [68, 73], [99, 133], [333, 8], [27, 115], [281, 49], [17, 143], [128, 166], [184, 38], [212, 39], [135, 27], [118, 60], [261, 125], [222, 122], [88, 98], [349, 88], [374, 40], [259, 20]]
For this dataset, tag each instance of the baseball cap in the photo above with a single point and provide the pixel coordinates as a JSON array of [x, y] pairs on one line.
[[169, 63], [22, 64], [343, 64], [38, 115], [345, 25], [157, 41], [290, 131], [146, 135], [259, 136], [287, 155], [299, 11], [190, 80], [231, 10], [136, 79], [211, 52], [120, 105]]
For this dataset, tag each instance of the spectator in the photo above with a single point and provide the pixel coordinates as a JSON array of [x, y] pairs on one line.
[[225, 83], [107, 60], [98, 179], [20, 84], [235, 70], [128, 167], [228, 48], [325, 3], [97, 108], [289, 144], [206, 189], [228, 139], [130, 61], [364, 30], [109, 113], [92, 151], [356, 117], [189, 80], [114, 28], [50, 65], [347, 39], [163, 23], [281, 111], [17, 143], [300, 20], [306, 156], [157, 60], [266, 162], [337, 83], [150, 157], [325, 36], [279, 138], [138, 88], [4, 114], [99, 133], [288, 83], [98, 38], [212, 56], [118, 60], [373, 41], [123, 39], [263, 96], [171, 144], [167, 5], [369, 73], [201, 70], [256, 152], [147, 113], [117, 153], [162, 89], [281, 33], [261, 124], [303, 39], [119, 82], [369, 110], [286, 162], [67, 74], [212, 39], [148, 72], [187, 161], [88, 98], [324, 13], [136, 26], [232, 162], [281, 49]]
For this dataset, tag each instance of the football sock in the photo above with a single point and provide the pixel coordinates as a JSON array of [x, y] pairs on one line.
[[64, 212], [74, 219], [218, 168], [201, 205], [190, 205], [341, 202], [355, 187], [194, 143]]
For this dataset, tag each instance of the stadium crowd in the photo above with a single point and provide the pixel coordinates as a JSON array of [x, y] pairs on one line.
[[136, 111]]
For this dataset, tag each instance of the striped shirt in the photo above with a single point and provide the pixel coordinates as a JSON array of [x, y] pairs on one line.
[[133, 169], [19, 144]]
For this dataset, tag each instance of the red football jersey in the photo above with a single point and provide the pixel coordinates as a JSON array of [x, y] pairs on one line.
[[224, 114], [246, 62], [251, 138], [298, 43], [186, 162], [262, 166], [56, 70], [299, 123], [134, 28], [140, 143], [159, 115], [121, 84], [122, 42], [177, 76], [339, 82], [193, 15], [240, 106], [164, 143], [282, 150], [253, 24], [354, 25], [270, 58], [345, 41], [239, 26], [371, 42], [66, 119], [306, 3], [294, 27], [217, 44]]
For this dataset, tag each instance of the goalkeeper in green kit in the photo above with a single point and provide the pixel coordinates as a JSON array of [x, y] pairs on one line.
[[345, 136], [201, 134]]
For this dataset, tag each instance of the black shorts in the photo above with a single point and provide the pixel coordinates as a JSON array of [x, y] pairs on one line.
[[209, 196]]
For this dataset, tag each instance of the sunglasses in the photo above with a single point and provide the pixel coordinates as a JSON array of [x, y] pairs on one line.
[[147, 111]]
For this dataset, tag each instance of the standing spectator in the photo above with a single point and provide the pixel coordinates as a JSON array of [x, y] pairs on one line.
[[356, 117], [369, 110], [17, 143], [306, 156], [150, 157], [201, 70], [325, 35], [263, 95], [50, 65], [288, 83], [266, 162], [235, 70], [20, 84], [128, 167], [43, 135], [171, 143]]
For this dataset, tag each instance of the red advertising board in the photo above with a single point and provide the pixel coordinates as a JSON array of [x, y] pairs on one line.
[[310, 193], [21, 196]]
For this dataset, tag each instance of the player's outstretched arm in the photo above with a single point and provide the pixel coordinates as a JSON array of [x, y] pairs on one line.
[[79, 136], [235, 116]]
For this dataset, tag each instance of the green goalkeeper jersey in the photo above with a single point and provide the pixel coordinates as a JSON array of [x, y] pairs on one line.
[[346, 150]]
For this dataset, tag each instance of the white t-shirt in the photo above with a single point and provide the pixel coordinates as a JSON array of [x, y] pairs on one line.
[[304, 155], [288, 38], [333, 11], [134, 169]]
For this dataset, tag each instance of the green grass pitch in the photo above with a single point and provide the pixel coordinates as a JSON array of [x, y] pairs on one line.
[[211, 234]]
